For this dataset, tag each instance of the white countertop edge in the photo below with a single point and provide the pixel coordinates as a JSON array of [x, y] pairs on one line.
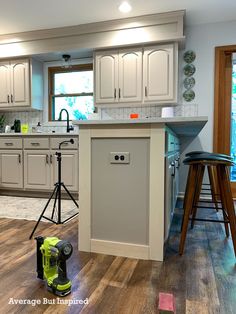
[[39, 134], [140, 121]]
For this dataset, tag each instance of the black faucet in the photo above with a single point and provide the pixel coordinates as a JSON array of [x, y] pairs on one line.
[[68, 127]]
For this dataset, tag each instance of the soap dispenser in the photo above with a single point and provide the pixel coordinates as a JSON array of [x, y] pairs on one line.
[[39, 128]]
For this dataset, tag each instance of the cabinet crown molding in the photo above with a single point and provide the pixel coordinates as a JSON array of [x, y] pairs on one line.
[[159, 27]]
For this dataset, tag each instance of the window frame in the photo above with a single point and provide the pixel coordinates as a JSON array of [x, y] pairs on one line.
[[57, 69]]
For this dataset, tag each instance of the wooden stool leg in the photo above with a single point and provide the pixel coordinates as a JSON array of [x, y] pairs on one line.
[[214, 192], [199, 179], [226, 194], [186, 192], [189, 195], [213, 185]]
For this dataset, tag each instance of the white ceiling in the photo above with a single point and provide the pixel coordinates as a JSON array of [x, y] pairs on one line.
[[25, 15]]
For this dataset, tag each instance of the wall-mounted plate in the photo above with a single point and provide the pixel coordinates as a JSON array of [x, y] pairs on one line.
[[189, 95], [189, 82], [189, 69], [189, 56]]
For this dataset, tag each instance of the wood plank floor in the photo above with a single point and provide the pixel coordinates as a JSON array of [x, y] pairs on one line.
[[203, 280]]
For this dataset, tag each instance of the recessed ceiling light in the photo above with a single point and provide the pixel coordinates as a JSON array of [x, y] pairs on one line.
[[125, 7]]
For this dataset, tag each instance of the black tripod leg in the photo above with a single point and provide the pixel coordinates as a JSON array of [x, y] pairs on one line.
[[68, 192], [32, 233], [54, 204]]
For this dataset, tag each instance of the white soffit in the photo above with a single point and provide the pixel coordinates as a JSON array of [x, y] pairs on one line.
[[26, 15]]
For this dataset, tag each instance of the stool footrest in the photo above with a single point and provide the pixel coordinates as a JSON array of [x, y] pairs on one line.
[[209, 201], [206, 207], [209, 220]]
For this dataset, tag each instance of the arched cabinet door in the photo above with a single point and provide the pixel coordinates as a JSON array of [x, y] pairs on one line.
[[118, 76], [130, 75], [106, 77], [159, 73], [5, 84], [20, 83]]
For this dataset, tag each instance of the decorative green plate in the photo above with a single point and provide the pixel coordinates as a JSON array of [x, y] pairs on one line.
[[189, 82], [189, 69], [189, 56], [189, 95]]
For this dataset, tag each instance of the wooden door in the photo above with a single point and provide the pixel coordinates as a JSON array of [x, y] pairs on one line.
[[20, 83], [69, 169], [223, 98], [37, 169], [159, 73], [11, 169], [106, 77], [130, 76], [5, 84]]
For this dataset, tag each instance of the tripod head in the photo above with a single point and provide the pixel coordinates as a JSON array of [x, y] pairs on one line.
[[63, 142], [58, 154]]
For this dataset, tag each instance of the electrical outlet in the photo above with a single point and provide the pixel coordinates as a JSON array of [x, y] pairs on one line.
[[119, 157]]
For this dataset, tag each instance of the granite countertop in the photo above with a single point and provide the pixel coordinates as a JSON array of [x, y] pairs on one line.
[[38, 134], [145, 120], [187, 126]]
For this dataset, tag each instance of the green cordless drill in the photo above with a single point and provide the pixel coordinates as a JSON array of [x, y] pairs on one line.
[[52, 254]]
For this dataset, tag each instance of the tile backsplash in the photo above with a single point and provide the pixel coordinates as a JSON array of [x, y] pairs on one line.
[[30, 117], [186, 110], [33, 117]]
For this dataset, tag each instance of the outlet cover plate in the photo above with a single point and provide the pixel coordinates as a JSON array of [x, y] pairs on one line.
[[119, 157]]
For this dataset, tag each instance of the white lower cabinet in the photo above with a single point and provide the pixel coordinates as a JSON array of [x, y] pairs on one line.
[[30, 163], [41, 165], [69, 169], [41, 169], [37, 169], [11, 169]]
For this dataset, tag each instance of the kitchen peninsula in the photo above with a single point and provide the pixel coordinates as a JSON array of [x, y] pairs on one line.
[[122, 183]]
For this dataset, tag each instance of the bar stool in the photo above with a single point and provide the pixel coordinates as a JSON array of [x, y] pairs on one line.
[[197, 164], [212, 183], [213, 188]]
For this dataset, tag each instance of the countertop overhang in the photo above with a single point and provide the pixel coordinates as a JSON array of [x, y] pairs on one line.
[[187, 126], [38, 134]]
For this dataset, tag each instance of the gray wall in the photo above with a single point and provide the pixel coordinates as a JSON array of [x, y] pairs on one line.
[[120, 192], [203, 39]]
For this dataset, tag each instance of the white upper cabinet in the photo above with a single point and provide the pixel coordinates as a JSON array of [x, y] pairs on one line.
[[19, 76], [21, 84], [5, 83], [118, 76], [159, 73], [130, 76], [136, 76], [106, 76], [14, 76]]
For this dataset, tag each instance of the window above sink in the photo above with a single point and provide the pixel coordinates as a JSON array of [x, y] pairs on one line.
[[72, 89]]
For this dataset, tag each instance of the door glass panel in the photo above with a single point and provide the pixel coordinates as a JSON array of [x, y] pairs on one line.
[[233, 122]]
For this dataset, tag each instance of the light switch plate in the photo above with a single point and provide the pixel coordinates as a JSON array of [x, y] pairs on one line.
[[119, 157]]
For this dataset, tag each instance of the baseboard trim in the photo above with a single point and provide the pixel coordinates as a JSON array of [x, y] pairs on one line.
[[34, 193], [120, 249]]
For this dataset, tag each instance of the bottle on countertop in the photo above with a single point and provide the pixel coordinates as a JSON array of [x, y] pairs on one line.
[[39, 128]]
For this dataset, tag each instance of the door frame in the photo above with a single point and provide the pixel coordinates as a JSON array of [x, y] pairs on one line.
[[222, 101]]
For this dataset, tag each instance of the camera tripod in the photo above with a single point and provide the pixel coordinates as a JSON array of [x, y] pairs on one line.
[[57, 199]]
